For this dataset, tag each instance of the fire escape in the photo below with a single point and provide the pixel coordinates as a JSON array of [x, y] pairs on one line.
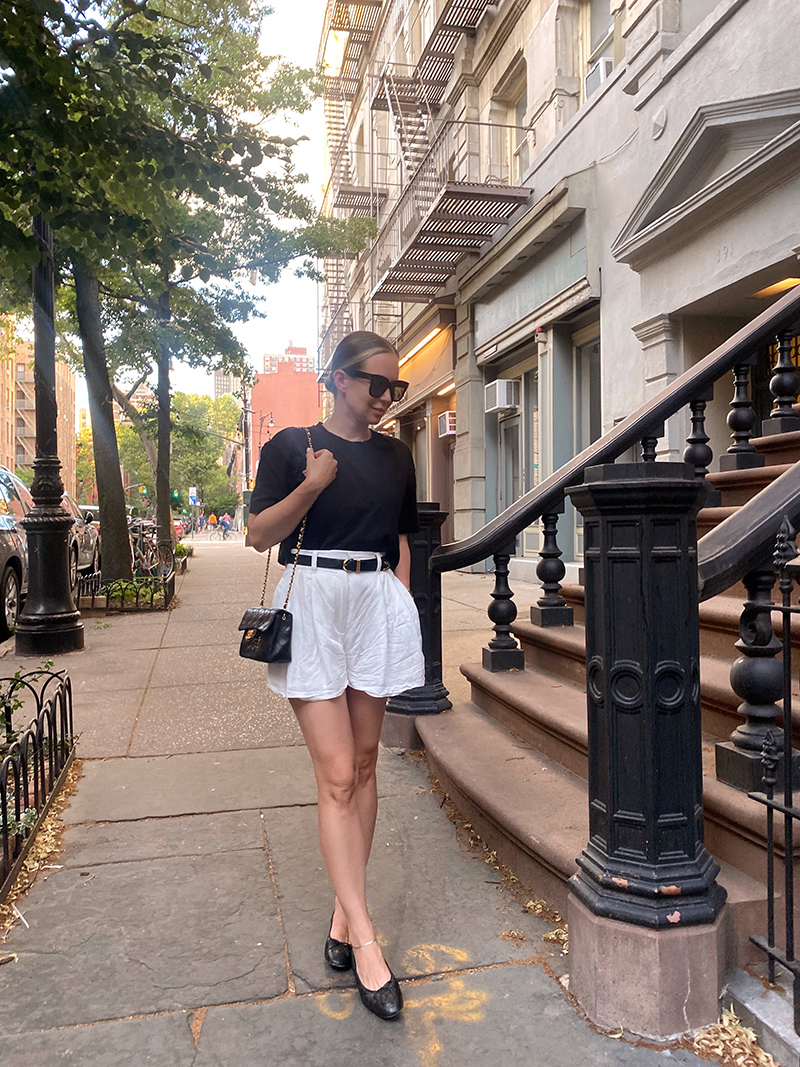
[[350, 25], [446, 209]]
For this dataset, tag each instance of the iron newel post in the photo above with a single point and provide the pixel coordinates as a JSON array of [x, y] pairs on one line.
[[49, 623], [645, 862], [426, 588]]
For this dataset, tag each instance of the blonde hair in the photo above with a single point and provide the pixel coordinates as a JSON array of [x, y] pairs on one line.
[[354, 349]]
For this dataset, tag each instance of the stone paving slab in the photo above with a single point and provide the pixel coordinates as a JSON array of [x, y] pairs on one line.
[[510, 1015], [188, 835], [198, 783], [217, 663], [464, 910], [199, 609], [127, 939], [208, 718], [108, 670], [165, 1041], [204, 783], [104, 722], [197, 633], [134, 632]]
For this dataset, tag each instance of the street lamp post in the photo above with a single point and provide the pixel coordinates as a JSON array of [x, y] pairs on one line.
[[49, 623]]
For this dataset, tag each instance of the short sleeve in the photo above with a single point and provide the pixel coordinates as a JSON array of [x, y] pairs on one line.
[[280, 471], [409, 518]]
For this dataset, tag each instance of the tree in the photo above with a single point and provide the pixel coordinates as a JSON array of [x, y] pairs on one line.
[[122, 125]]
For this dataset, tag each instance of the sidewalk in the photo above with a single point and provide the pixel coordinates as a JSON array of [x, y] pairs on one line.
[[186, 924]]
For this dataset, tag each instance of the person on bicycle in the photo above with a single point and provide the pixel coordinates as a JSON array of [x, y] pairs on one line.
[[225, 523]]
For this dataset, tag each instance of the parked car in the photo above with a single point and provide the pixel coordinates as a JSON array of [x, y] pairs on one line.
[[84, 542], [15, 502]]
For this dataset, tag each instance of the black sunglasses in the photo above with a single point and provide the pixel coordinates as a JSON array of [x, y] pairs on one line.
[[378, 384]]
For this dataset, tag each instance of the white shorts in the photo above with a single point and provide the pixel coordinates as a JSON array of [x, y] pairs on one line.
[[356, 630]]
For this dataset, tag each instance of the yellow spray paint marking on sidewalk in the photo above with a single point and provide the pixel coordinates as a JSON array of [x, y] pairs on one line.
[[421, 959], [456, 1002], [451, 1000], [327, 1005]]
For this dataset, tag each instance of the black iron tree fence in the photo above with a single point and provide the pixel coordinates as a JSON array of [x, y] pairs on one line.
[[33, 762]]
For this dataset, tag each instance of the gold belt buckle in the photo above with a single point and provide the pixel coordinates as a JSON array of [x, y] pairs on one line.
[[357, 568]]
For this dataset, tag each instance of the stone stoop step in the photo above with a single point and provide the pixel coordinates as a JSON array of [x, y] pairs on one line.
[[561, 651], [738, 487], [719, 620], [533, 813], [543, 710]]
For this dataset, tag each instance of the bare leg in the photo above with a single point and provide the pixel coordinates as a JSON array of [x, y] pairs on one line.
[[366, 717], [328, 733]]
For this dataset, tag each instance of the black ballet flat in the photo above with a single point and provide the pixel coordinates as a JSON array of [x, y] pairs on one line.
[[338, 954], [386, 1002]]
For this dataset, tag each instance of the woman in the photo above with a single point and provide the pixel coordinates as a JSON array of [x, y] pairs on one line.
[[356, 636]]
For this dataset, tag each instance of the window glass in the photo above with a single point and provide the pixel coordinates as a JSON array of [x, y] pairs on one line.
[[15, 505]]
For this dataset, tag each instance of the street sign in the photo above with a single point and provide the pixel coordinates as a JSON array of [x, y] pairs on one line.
[[192, 494]]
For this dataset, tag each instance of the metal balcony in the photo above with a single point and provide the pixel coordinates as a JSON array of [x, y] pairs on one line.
[[357, 20], [360, 199], [439, 219]]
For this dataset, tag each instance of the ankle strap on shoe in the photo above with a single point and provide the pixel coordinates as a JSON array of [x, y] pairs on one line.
[[372, 942]]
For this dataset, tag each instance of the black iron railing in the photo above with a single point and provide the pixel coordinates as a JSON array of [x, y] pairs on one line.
[[151, 593], [724, 555], [780, 766], [644, 426], [34, 761]]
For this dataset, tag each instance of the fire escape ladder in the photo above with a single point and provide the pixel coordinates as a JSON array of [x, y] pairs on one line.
[[410, 116]]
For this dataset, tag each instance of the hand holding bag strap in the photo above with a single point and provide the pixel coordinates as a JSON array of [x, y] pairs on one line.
[[296, 551]]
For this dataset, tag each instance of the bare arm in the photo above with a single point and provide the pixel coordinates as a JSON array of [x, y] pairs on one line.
[[403, 568], [274, 523]]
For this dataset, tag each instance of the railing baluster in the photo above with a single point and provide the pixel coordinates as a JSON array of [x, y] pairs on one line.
[[551, 609], [756, 677], [784, 385], [650, 443], [741, 419], [697, 451], [503, 652], [769, 759]]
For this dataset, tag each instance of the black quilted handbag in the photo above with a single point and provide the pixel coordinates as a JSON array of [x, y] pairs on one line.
[[267, 633]]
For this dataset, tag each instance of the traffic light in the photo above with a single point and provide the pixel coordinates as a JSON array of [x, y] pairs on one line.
[[175, 494], [143, 490]]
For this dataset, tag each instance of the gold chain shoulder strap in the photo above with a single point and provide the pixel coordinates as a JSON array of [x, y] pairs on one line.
[[296, 550]]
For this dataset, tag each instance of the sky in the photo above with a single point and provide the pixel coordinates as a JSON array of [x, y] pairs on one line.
[[293, 32]]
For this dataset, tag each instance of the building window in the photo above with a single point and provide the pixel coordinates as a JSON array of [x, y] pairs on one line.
[[520, 153], [597, 34], [509, 152], [20, 372]]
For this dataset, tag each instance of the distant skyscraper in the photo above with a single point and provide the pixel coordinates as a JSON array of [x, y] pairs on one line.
[[224, 383], [298, 357]]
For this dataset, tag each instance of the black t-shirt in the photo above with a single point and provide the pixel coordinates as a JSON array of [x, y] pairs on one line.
[[372, 499]]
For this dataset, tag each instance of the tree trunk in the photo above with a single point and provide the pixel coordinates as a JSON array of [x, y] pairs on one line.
[[163, 504], [116, 545]]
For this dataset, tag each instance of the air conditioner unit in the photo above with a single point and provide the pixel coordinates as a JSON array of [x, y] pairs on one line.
[[447, 423], [597, 75], [501, 395]]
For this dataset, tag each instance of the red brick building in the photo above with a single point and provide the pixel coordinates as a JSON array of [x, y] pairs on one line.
[[285, 394]]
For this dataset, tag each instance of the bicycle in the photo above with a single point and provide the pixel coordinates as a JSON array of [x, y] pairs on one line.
[[217, 533]]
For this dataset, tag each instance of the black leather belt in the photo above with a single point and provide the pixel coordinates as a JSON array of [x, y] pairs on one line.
[[352, 566]]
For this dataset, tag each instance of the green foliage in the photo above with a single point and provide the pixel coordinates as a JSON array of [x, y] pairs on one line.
[[85, 476], [25, 475], [22, 826]]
